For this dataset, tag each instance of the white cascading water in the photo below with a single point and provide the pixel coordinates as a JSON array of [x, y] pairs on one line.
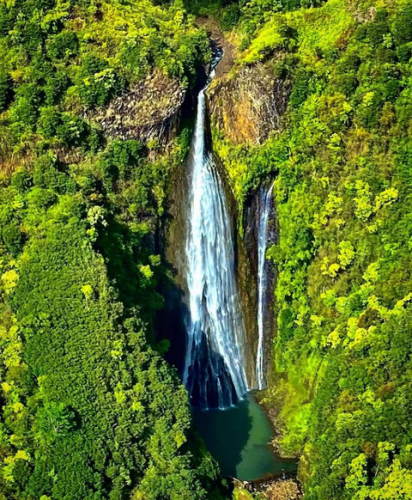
[[265, 208], [214, 371]]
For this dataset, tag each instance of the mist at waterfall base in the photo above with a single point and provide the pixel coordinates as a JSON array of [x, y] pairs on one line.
[[234, 427]]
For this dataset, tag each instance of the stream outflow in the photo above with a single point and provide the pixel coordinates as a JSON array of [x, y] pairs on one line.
[[214, 372]]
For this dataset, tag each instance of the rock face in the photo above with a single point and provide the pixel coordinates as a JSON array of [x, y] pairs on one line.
[[148, 111], [271, 489], [173, 317], [245, 106], [283, 490], [248, 273], [246, 279], [248, 105]]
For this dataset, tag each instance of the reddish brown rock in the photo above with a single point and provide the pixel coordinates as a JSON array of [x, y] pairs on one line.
[[248, 104]]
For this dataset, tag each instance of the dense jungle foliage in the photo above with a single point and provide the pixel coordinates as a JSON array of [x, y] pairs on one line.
[[89, 409], [342, 167]]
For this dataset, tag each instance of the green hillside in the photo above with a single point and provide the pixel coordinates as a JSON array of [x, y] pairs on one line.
[[89, 408], [342, 169]]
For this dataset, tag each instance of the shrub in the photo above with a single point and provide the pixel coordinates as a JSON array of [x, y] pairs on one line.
[[404, 52], [5, 20], [63, 45], [12, 238], [97, 82], [300, 89], [6, 90], [25, 107], [41, 199], [120, 159], [55, 87], [22, 181], [48, 123], [402, 26], [49, 174], [73, 130], [230, 16], [378, 28]]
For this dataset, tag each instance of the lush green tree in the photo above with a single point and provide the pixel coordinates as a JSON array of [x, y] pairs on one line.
[[341, 165], [89, 409]]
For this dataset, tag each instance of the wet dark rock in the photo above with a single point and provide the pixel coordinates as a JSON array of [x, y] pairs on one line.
[[252, 211]]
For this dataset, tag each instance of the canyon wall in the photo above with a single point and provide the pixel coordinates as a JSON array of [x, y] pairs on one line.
[[149, 111], [245, 105]]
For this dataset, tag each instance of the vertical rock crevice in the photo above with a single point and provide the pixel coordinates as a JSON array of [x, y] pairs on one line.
[[246, 105]]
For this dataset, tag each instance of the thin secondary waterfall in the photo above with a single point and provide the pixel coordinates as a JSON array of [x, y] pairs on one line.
[[265, 208], [214, 371]]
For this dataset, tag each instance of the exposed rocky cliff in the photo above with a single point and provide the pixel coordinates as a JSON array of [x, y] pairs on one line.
[[281, 488], [248, 104], [245, 105], [175, 311], [148, 111]]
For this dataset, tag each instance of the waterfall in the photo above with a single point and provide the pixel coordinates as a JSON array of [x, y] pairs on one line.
[[265, 208], [214, 371]]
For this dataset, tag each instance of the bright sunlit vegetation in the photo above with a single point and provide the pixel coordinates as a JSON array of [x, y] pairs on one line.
[[342, 165], [90, 410]]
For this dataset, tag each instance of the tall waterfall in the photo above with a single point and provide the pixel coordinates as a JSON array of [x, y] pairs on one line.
[[265, 208], [214, 371]]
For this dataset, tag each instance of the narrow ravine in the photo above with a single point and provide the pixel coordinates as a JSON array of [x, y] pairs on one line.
[[234, 427], [265, 209], [214, 371]]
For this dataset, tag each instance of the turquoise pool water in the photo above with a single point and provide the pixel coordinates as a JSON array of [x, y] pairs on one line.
[[238, 438]]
